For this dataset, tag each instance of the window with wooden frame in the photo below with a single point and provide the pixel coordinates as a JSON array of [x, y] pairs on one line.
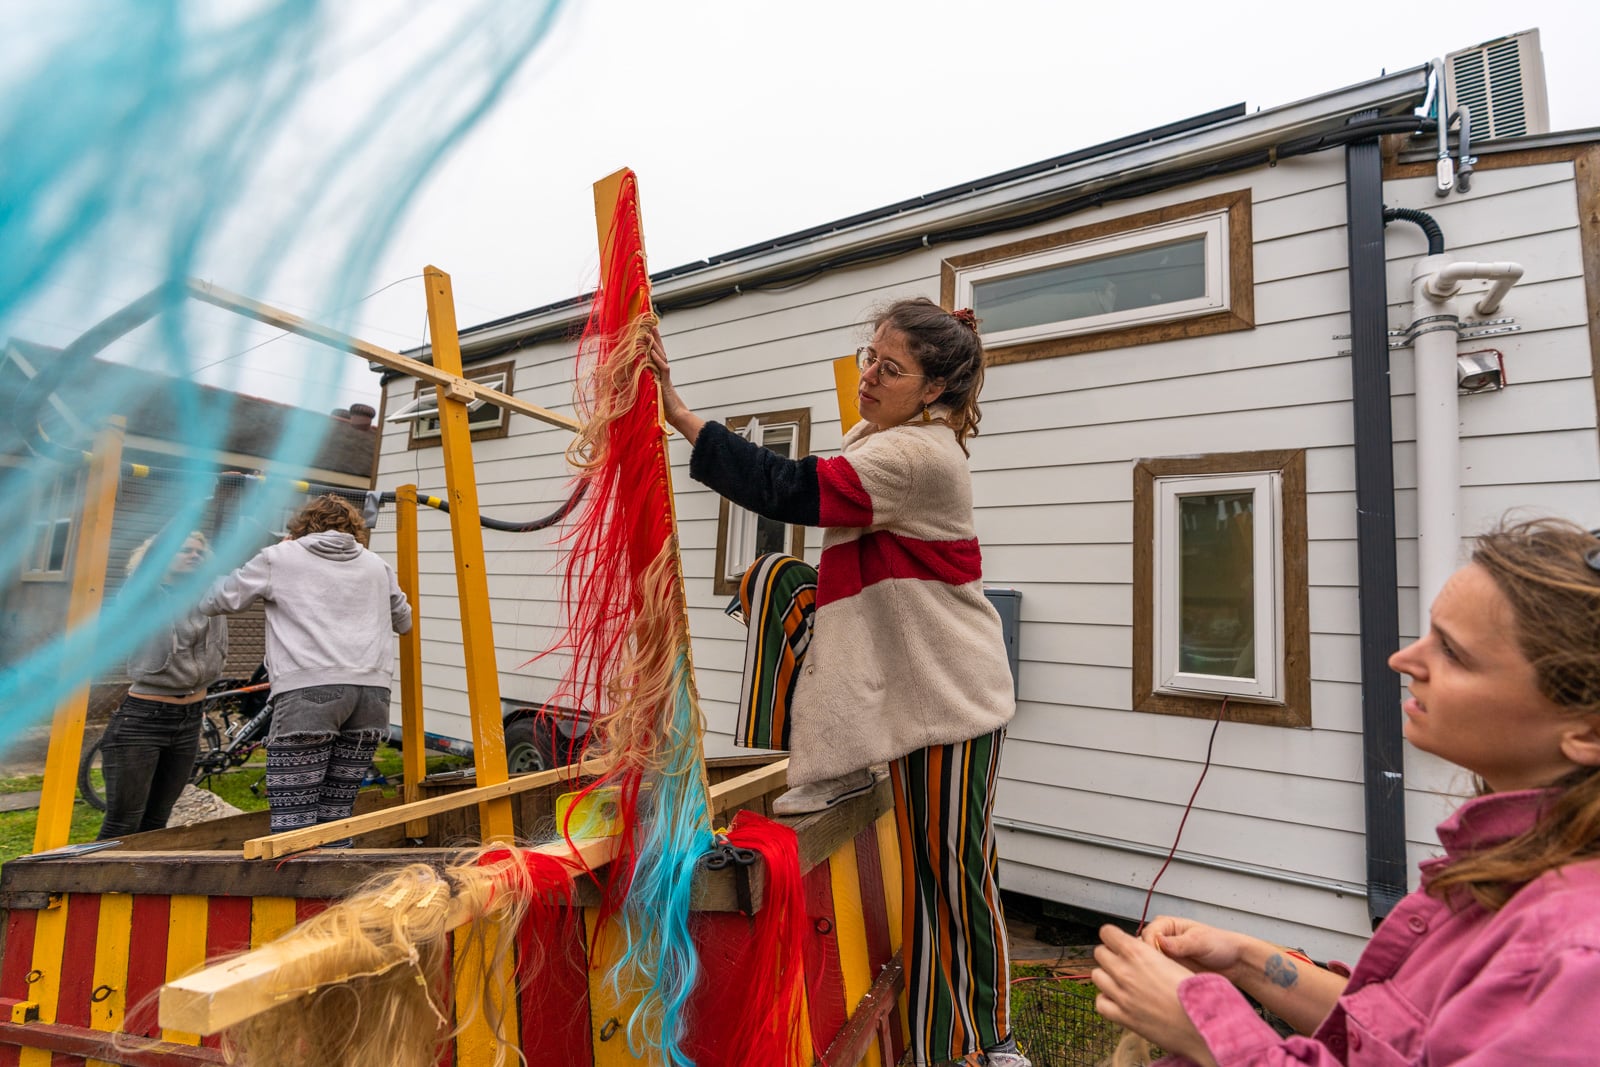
[[54, 530], [487, 420], [743, 535], [1179, 271], [1220, 603]]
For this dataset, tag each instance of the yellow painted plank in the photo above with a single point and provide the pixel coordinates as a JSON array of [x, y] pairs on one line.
[[270, 919], [476, 1043], [472, 581], [850, 929], [889, 860], [111, 939], [608, 1016], [414, 758], [49, 945], [846, 380], [59, 790], [186, 948]]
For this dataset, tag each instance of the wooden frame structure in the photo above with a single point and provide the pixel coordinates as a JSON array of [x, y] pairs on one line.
[[91, 937]]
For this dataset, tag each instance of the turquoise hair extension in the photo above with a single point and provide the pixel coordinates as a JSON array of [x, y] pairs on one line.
[[659, 953], [147, 144]]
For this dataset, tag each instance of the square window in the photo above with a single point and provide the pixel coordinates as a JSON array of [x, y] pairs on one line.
[[1220, 598], [486, 420]]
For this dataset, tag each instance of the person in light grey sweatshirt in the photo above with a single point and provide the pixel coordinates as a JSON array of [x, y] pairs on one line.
[[332, 608]]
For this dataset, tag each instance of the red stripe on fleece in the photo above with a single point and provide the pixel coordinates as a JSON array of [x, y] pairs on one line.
[[875, 557], [844, 500]]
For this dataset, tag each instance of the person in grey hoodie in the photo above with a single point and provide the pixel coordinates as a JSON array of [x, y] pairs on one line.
[[150, 744], [332, 608]]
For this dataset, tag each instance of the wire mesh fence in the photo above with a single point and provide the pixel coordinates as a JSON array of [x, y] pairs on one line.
[[1053, 1017]]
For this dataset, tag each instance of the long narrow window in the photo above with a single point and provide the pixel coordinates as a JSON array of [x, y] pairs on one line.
[[1178, 271], [1220, 586], [54, 530], [742, 535]]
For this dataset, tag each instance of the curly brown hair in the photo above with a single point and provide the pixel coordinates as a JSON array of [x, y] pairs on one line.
[[947, 348], [329, 512], [1542, 568]]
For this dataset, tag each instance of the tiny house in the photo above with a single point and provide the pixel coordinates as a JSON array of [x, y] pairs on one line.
[[1226, 452]]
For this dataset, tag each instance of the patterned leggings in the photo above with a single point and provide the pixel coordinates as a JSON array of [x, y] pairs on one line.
[[312, 778], [957, 967]]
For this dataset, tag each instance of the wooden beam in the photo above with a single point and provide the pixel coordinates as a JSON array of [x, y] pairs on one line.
[[291, 841], [748, 786], [455, 384], [218, 997], [90, 554], [414, 756], [472, 578]]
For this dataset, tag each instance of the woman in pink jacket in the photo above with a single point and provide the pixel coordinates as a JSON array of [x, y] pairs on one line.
[[1495, 960]]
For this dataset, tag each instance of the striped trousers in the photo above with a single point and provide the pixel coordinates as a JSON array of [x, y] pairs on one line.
[[954, 946], [954, 943]]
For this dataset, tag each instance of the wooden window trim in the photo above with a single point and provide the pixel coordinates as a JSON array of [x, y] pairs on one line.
[[801, 417], [1241, 314], [487, 433], [1296, 651]]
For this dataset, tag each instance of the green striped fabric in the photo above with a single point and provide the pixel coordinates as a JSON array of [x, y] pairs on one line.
[[778, 595]]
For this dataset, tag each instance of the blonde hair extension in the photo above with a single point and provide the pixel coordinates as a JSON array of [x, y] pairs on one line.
[[373, 978]]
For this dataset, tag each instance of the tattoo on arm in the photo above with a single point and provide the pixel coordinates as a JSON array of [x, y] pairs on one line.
[[1281, 971]]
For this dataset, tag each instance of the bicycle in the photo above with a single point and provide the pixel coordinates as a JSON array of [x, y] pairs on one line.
[[233, 726]]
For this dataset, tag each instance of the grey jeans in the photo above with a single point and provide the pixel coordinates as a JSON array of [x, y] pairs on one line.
[[329, 709]]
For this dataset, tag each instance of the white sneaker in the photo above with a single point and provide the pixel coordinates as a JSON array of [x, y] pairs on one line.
[[1006, 1054], [820, 796]]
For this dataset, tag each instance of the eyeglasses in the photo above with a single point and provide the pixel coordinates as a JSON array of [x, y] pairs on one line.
[[1592, 557], [888, 373]]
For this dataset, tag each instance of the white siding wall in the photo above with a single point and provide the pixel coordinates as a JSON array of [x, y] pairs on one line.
[[1053, 488]]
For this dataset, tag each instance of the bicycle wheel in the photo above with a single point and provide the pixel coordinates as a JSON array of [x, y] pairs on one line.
[[93, 791]]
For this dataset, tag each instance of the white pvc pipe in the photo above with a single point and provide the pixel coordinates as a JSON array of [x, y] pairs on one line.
[[1448, 280], [1434, 327], [1438, 433]]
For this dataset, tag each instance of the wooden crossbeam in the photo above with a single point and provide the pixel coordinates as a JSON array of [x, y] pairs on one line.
[[225, 995], [276, 845], [724, 796], [454, 384]]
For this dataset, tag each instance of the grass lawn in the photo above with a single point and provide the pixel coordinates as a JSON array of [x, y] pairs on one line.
[[17, 827]]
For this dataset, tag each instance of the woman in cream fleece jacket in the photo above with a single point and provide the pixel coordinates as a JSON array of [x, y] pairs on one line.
[[907, 663]]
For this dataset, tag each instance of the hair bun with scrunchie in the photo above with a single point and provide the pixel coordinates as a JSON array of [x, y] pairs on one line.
[[966, 317]]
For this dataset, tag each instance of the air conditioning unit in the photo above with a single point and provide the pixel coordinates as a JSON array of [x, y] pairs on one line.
[[1502, 81]]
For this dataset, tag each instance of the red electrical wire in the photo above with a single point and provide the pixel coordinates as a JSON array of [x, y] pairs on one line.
[[1221, 711]]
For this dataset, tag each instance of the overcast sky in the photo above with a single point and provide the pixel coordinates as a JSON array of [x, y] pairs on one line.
[[748, 120]]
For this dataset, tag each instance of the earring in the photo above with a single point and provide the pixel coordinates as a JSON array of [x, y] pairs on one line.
[[926, 416]]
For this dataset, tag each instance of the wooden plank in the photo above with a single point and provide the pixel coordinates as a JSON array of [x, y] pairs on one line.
[[275, 845], [59, 791], [866, 1026], [96, 1046], [319, 875], [218, 997], [458, 386], [413, 754], [472, 582]]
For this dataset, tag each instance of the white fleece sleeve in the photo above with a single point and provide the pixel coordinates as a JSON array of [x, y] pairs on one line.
[[241, 589], [399, 606]]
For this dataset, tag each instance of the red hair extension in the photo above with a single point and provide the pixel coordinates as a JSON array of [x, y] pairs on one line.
[[768, 1027]]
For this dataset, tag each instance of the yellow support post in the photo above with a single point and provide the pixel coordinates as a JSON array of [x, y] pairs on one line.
[[472, 583], [83, 609], [414, 759]]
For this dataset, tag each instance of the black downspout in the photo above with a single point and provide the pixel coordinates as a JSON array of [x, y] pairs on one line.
[[1378, 583]]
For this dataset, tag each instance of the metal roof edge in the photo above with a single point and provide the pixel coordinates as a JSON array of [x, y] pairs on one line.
[[1010, 191]]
